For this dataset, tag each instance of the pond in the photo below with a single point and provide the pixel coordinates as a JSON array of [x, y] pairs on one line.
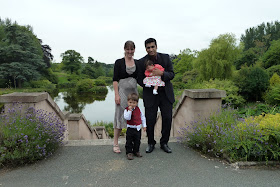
[[94, 107]]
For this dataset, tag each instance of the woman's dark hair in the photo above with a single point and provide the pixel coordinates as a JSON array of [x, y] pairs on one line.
[[149, 63], [150, 40], [128, 44]]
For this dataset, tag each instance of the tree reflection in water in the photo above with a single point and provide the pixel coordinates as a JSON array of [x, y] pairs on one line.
[[76, 102]]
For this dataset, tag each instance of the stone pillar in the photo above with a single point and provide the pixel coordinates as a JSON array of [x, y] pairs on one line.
[[195, 104], [79, 129]]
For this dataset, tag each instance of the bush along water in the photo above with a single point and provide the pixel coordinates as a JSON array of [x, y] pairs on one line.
[[28, 136], [226, 136]]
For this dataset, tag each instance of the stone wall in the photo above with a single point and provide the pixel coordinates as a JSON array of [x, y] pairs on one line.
[[194, 104], [77, 127]]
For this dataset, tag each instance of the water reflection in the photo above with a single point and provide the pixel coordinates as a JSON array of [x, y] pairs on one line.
[[95, 107], [76, 102]]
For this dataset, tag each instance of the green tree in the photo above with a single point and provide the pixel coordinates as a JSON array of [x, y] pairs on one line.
[[217, 60], [248, 58], [262, 33], [21, 55], [274, 80], [71, 61], [273, 69], [252, 82], [89, 71], [272, 55], [184, 61], [272, 95]]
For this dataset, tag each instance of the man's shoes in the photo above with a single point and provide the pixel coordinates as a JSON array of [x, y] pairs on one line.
[[138, 154], [150, 148], [129, 156], [165, 148]]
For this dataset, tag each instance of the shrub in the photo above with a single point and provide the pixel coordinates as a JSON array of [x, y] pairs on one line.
[[272, 95], [109, 128], [99, 89], [232, 96], [28, 136], [3, 83], [108, 80], [225, 135], [40, 83], [273, 69], [99, 82], [45, 84], [66, 85], [272, 56], [255, 109], [85, 85], [267, 121], [73, 77], [50, 75], [205, 133], [274, 80], [263, 137], [252, 82], [140, 91]]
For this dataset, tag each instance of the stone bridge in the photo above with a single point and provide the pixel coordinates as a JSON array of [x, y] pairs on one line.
[[194, 103]]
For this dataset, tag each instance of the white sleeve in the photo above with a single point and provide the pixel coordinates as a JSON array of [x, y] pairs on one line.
[[143, 119], [127, 114]]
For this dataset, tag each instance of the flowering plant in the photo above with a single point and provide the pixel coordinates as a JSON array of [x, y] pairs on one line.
[[28, 136], [235, 139]]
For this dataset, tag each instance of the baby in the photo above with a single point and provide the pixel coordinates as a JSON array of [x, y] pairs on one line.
[[151, 80]]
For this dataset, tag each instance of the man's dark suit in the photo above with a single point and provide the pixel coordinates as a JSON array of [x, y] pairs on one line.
[[163, 100]]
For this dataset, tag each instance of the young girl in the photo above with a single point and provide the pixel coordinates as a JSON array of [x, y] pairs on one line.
[[151, 80]]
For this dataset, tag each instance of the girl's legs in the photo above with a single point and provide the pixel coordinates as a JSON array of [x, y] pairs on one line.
[[155, 90], [117, 133]]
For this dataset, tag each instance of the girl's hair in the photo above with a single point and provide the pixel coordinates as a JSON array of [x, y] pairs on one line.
[[128, 44], [133, 97], [149, 63]]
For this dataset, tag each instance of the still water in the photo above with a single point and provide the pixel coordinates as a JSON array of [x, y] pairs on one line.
[[93, 107]]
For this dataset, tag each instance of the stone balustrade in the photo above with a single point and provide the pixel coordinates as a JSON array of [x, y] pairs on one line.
[[77, 127], [194, 104]]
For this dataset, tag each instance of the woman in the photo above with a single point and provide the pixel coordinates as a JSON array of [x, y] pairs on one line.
[[124, 83]]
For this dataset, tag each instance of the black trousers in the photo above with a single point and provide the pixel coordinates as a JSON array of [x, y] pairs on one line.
[[165, 106], [133, 140]]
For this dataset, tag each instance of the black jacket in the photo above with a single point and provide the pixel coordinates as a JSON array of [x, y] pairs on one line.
[[168, 75], [120, 70]]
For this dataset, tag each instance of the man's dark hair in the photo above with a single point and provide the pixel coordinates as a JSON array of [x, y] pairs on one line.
[[133, 97], [150, 40], [149, 63]]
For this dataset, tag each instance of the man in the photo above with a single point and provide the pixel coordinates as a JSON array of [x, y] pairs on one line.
[[164, 99]]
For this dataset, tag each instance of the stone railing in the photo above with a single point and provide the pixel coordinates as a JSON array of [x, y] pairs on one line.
[[77, 127], [194, 104]]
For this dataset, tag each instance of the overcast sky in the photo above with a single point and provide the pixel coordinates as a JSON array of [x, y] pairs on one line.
[[100, 28]]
